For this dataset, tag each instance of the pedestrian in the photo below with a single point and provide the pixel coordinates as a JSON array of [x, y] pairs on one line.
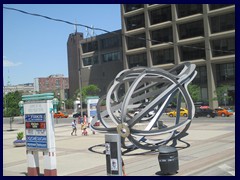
[[123, 168], [74, 127]]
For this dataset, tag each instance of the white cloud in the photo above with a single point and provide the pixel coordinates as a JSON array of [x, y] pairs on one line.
[[7, 63]]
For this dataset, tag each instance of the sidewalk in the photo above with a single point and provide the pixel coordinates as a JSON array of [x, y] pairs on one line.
[[83, 155]]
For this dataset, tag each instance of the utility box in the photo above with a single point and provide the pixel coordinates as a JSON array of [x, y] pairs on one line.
[[168, 160]]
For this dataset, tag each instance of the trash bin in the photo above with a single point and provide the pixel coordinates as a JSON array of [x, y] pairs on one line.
[[168, 159]]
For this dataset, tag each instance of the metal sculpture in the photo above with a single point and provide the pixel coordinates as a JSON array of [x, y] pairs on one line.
[[148, 91]]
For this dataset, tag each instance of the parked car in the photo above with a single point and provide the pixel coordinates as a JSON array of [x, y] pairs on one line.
[[76, 115], [205, 113], [183, 112], [223, 112], [60, 114]]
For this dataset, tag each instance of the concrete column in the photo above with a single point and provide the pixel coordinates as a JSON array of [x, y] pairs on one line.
[[50, 163], [175, 35], [148, 43], [211, 76], [33, 163]]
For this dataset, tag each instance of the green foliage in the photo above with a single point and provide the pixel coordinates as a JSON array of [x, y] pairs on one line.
[[10, 104], [220, 94], [194, 91], [69, 104], [20, 136], [90, 90]]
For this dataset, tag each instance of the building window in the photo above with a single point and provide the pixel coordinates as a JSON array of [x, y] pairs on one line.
[[223, 47], [225, 73], [89, 47], [163, 56], [111, 42], [47, 84], [184, 10], [137, 60], [114, 56], [218, 6], [136, 41], [162, 35], [135, 22], [222, 23], [201, 77], [132, 7], [192, 52], [191, 30], [57, 83], [160, 15], [90, 61]]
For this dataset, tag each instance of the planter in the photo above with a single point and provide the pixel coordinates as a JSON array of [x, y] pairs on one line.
[[19, 143]]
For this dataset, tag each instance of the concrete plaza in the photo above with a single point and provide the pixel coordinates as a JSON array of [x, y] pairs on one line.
[[211, 145]]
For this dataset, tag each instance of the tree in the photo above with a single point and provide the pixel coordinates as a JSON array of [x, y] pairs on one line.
[[69, 104], [90, 90], [222, 94], [194, 91], [11, 101]]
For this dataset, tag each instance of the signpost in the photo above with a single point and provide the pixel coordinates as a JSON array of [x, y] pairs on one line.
[[92, 105], [39, 130], [113, 154]]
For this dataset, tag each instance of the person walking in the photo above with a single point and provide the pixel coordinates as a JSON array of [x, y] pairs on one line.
[[74, 127]]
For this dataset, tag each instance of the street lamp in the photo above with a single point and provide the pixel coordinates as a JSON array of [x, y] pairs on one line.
[[55, 102], [225, 100], [20, 104]]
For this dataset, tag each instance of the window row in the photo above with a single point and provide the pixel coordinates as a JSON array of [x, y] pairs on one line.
[[108, 57], [188, 30], [182, 9], [164, 14], [221, 47]]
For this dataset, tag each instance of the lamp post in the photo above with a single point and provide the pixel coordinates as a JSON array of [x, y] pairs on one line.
[[20, 104], [55, 102], [225, 100]]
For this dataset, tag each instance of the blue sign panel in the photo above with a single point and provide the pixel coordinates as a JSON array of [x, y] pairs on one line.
[[35, 117], [36, 142]]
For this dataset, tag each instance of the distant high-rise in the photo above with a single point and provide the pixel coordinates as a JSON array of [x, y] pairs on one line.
[[203, 34], [94, 60]]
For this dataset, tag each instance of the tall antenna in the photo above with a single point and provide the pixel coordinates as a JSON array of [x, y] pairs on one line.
[[8, 79], [75, 26]]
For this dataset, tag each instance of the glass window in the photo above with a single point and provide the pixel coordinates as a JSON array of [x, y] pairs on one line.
[[162, 35], [201, 77], [190, 30], [132, 7], [192, 52], [223, 47], [188, 9], [111, 42], [160, 15], [137, 60], [217, 6], [136, 41], [113, 56], [87, 61], [163, 56], [222, 23], [90, 46], [90, 61], [225, 72], [135, 22]]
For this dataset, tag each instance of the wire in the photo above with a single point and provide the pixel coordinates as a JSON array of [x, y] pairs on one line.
[[106, 31]]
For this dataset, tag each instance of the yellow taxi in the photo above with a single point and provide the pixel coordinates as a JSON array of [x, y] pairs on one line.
[[183, 112]]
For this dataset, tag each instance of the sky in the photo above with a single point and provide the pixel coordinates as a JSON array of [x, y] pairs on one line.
[[36, 47]]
